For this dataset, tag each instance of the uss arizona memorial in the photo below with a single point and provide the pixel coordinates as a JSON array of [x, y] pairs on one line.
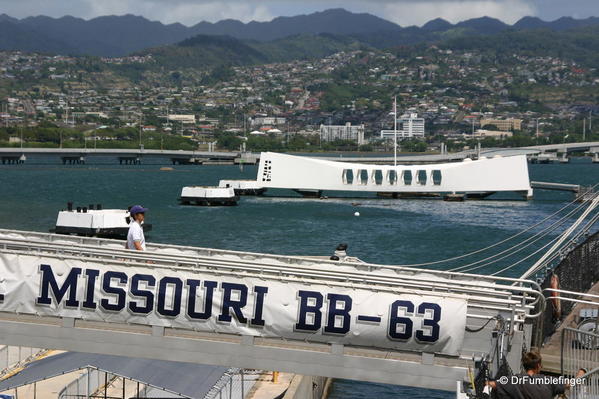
[[476, 178]]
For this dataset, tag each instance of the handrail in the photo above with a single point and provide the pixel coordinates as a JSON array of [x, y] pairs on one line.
[[473, 301], [567, 299], [298, 270], [572, 350], [528, 296], [483, 289], [571, 293], [587, 385], [296, 260], [589, 373]]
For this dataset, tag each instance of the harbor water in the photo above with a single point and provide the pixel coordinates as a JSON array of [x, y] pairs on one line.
[[387, 231]]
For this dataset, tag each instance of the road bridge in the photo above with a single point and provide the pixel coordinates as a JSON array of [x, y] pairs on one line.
[[565, 148], [135, 156], [79, 155], [341, 319]]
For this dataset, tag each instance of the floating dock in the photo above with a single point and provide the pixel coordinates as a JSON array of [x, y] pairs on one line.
[[243, 187], [93, 221], [208, 196]]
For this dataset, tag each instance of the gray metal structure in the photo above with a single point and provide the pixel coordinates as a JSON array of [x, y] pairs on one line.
[[499, 315], [193, 381]]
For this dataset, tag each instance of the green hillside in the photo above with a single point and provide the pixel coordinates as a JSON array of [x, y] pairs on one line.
[[204, 51], [580, 45]]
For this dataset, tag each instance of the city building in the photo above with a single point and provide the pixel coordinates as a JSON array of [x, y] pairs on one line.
[[268, 120], [492, 133], [342, 132], [409, 126], [182, 118], [503, 124]]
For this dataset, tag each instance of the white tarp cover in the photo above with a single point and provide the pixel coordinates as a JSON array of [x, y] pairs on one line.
[[299, 310]]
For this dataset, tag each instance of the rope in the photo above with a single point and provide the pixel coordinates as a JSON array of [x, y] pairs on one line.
[[532, 239], [557, 252], [497, 243], [592, 206]]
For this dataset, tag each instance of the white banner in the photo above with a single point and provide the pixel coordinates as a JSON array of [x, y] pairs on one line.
[[213, 302]]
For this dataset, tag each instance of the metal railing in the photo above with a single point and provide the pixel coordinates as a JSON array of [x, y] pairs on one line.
[[235, 384], [13, 356], [86, 384], [484, 292], [579, 349], [589, 388], [576, 272]]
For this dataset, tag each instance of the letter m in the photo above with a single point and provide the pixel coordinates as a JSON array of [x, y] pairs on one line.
[[48, 282]]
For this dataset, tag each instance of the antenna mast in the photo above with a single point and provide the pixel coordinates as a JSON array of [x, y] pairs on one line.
[[395, 131]]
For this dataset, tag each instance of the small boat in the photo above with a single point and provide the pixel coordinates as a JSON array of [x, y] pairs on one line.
[[208, 196], [243, 187], [93, 221]]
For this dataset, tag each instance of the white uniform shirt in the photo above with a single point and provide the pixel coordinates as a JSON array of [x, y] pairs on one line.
[[136, 233]]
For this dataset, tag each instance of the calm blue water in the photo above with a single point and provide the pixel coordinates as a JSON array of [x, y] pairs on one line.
[[388, 231]]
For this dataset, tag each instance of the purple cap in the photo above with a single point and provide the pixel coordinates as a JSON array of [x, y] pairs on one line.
[[137, 209]]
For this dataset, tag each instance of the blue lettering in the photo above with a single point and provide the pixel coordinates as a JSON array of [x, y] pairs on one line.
[[118, 291], [305, 309], [147, 295], [210, 286], [235, 305], [336, 312], [396, 321], [176, 304], [91, 275], [257, 320], [49, 283], [433, 322]]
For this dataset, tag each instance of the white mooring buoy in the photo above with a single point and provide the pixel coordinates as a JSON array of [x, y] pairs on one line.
[[356, 213]]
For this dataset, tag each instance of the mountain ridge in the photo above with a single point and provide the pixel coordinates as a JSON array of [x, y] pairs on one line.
[[113, 36]]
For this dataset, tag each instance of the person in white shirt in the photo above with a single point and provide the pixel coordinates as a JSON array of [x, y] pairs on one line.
[[135, 236]]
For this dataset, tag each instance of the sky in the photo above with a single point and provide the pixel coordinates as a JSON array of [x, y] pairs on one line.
[[403, 12]]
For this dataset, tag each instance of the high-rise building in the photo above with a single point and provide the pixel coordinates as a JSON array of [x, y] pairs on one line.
[[342, 132], [409, 126]]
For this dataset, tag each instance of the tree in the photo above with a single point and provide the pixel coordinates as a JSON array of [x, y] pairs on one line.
[[229, 141]]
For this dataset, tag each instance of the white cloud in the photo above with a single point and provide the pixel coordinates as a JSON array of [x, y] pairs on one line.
[[419, 12], [215, 11], [404, 12], [185, 12], [188, 12]]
